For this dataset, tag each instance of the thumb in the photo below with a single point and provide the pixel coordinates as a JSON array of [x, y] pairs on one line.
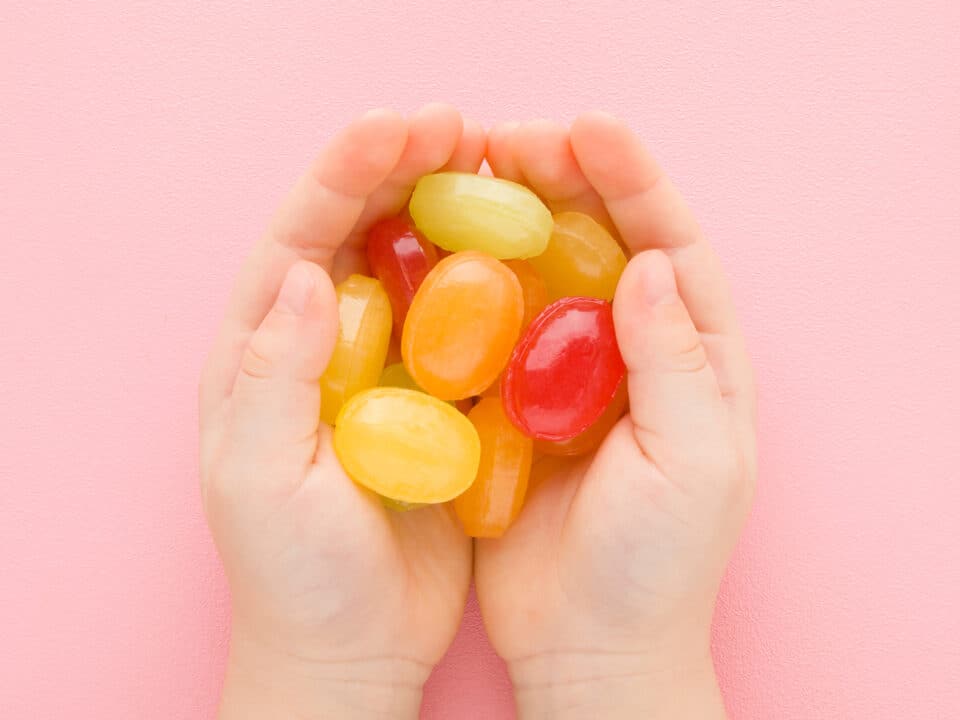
[[276, 397], [675, 401]]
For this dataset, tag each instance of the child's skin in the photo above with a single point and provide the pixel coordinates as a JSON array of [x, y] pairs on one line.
[[600, 598]]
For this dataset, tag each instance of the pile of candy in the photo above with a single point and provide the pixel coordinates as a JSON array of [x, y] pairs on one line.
[[503, 317]]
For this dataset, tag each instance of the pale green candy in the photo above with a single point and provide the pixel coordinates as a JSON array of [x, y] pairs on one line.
[[396, 375], [462, 211], [399, 505]]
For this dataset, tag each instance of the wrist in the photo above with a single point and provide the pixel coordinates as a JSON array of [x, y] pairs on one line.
[[263, 681], [616, 685]]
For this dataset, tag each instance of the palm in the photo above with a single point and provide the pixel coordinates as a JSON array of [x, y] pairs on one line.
[[584, 548], [328, 521]]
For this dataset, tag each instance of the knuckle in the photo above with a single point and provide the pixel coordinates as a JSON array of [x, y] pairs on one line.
[[690, 358], [352, 188], [257, 362], [674, 344], [683, 351]]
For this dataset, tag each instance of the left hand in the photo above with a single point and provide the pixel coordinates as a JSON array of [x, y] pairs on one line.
[[600, 596]]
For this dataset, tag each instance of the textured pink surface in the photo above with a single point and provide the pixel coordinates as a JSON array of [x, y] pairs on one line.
[[142, 149]]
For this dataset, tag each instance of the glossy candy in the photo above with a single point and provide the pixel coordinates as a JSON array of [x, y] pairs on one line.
[[591, 438], [462, 211], [396, 375], [564, 371], [582, 259], [361, 347], [492, 503], [493, 390], [400, 257], [462, 325], [406, 445], [399, 505]]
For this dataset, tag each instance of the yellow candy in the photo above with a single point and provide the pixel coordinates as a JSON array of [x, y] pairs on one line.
[[362, 342], [396, 375], [462, 211], [406, 445], [582, 259]]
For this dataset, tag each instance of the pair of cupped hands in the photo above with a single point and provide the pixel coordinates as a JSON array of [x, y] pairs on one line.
[[600, 597]]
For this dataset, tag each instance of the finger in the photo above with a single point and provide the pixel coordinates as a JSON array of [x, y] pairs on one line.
[[321, 211], [468, 155], [675, 402], [275, 404], [433, 136], [650, 213], [500, 153], [313, 222], [545, 159]]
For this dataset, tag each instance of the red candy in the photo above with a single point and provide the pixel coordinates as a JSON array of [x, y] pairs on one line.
[[400, 257], [564, 371]]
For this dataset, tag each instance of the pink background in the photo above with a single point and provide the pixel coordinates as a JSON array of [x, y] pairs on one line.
[[142, 150]]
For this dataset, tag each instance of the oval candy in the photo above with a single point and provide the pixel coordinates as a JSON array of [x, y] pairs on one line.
[[591, 438], [462, 325], [362, 342], [492, 503], [406, 446], [400, 257], [399, 505], [396, 375], [564, 371], [463, 211], [581, 259]]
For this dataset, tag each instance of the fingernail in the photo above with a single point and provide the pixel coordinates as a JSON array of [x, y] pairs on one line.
[[659, 282], [298, 287]]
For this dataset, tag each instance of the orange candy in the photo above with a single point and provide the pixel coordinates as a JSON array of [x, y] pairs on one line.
[[462, 325], [494, 389], [489, 506]]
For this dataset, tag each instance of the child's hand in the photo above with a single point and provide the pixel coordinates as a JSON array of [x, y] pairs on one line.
[[340, 608], [600, 597]]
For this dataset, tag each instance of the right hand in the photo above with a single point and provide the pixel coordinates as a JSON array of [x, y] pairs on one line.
[[341, 608]]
